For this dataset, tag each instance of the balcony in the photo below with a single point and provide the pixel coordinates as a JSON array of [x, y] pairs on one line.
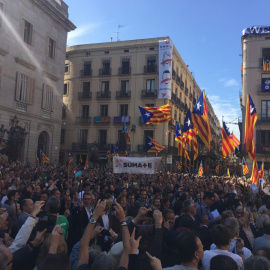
[[102, 120], [123, 95], [81, 146], [103, 147], [121, 119], [172, 123], [173, 74], [186, 91], [262, 118], [124, 71], [105, 71], [182, 105], [104, 95], [149, 93], [86, 73], [178, 80], [141, 148], [173, 97], [182, 85], [84, 95], [265, 67], [264, 88], [194, 101], [190, 96], [82, 120], [150, 69], [262, 149], [178, 102], [185, 108]]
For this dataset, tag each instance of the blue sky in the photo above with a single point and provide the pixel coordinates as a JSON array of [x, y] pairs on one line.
[[207, 34]]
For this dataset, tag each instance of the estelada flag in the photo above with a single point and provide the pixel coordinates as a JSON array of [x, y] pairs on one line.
[[236, 142], [261, 171], [201, 121], [156, 115], [251, 119], [190, 134], [255, 172], [182, 152], [245, 167], [201, 169], [177, 135], [227, 142], [153, 146], [127, 137]]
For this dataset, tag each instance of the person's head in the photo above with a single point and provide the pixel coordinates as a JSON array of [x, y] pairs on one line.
[[260, 219], [240, 212], [5, 239], [143, 195], [27, 206], [74, 195], [44, 195], [223, 262], [122, 200], [55, 192], [263, 251], [266, 226], [131, 199], [232, 224], [189, 247], [256, 263], [169, 216], [37, 189], [208, 198], [189, 207], [157, 202], [178, 207], [6, 258], [226, 214], [52, 205], [13, 195], [87, 198], [221, 236], [165, 203], [104, 261]]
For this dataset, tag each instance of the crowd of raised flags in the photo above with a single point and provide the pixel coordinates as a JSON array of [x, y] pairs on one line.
[[195, 123]]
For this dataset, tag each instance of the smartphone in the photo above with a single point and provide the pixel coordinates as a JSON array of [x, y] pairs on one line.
[[47, 222]]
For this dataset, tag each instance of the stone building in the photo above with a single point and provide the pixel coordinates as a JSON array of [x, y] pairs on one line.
[[33, 35], [108, 81]]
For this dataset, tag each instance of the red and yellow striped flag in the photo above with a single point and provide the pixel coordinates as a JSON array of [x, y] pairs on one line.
[[245, 167], [227, 142], [236, 142], [200, 169], [255, 172], [153, 146], [261, 171], [182, 152]]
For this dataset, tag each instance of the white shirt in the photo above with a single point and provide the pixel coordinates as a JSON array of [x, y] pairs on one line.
[[88, 212], [247, 252], [209, 254], [106, 225]]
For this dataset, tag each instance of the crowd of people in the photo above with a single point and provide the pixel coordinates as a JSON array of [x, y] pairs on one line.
[[50, 219]]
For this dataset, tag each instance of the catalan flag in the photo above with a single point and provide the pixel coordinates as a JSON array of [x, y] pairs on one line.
[[227, 142], [156, 115], [69, 159], [261, 171], [201, 121], [236, 142], [127, 137], [201, 169], [182, 151], [251, 118], [179, 165], [86, 165], [177, 135], [255, 172], [245, 167], [190, 133], [266, 64], [217, 168], [228, 172], [153, 146], [44, 158]]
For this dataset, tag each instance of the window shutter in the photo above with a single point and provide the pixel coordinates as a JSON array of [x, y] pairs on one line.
[[32, 91], [18, 82], [43, 100]]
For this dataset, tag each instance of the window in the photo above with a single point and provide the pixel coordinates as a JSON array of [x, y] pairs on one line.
[[265, 109], [125, 65], [150, 105], [25, 88], [124, 86], [151, 63], [65, 89], [266, 53], [169, 139], [105, 87], [175, 114], [104, 110], [176, 92], [123, 110], [28, 31], [47, 98], [66, 68], [86, 87], [62, 139], [87, 71], [150, 85], [148, 133], [85, 111], [106, 64], [83, 136], [180, 96], [1, 10], [263, 138], [177, 71], [52, 45], [102, 138], [122, 140]]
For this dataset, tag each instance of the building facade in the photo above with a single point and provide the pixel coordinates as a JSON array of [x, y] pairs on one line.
[[256, 82], [33, 35], [105, 83]]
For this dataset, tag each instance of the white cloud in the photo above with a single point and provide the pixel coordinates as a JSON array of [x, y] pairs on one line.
[[230, 113], [228, 82], [75, 36]]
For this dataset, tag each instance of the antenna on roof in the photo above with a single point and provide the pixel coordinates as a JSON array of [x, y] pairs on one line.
[[117, 39]]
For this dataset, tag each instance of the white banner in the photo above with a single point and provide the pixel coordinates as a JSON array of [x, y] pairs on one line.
[[141, 165], [165, 69]]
